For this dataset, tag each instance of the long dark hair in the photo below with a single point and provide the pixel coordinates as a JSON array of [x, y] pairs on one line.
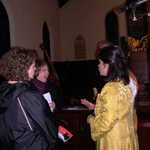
[[118, 67]]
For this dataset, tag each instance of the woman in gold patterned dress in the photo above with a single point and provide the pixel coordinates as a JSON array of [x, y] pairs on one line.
[[112, 125]]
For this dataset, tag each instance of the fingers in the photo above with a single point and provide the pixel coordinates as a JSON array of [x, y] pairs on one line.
[[84, 101], [52, 105], [88, 118], [88, 104]]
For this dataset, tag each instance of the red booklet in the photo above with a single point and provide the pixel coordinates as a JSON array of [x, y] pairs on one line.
[[64, 134]]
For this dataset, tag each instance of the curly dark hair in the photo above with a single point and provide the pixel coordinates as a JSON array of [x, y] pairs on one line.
[[118, 64], [16, 62]]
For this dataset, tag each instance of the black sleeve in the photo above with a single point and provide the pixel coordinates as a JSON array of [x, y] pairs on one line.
[[57, 97], [38, 110]]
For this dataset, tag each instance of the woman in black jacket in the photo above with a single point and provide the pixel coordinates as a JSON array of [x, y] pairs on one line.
[[25, 117]]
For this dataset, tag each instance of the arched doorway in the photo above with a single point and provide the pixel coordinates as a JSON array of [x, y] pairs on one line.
[[4, 31]]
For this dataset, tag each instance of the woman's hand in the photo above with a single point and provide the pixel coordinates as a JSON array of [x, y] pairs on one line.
[[88, 118], [88, 104], [52, 105]]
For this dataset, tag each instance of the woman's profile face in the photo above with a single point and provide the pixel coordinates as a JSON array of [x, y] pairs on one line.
[[43, 73], [31, 71], [103, 68]]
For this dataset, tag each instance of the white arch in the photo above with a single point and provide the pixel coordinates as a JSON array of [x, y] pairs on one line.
[[11, 21]]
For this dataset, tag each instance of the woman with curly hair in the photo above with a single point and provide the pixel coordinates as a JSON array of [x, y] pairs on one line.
[[25, 118]]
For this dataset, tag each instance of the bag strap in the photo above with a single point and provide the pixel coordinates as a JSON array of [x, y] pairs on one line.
[[24, 113]]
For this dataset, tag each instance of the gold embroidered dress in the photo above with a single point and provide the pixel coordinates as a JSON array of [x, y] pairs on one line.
[[112, 126]]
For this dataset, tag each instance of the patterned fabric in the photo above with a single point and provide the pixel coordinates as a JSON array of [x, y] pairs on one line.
[[41, 86], [112, 126]]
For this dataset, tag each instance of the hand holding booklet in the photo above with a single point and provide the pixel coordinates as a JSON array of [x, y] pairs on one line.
[[48, 98], [64, 134]]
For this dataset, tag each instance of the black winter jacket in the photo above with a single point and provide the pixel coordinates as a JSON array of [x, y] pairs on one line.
[[43, 135]]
